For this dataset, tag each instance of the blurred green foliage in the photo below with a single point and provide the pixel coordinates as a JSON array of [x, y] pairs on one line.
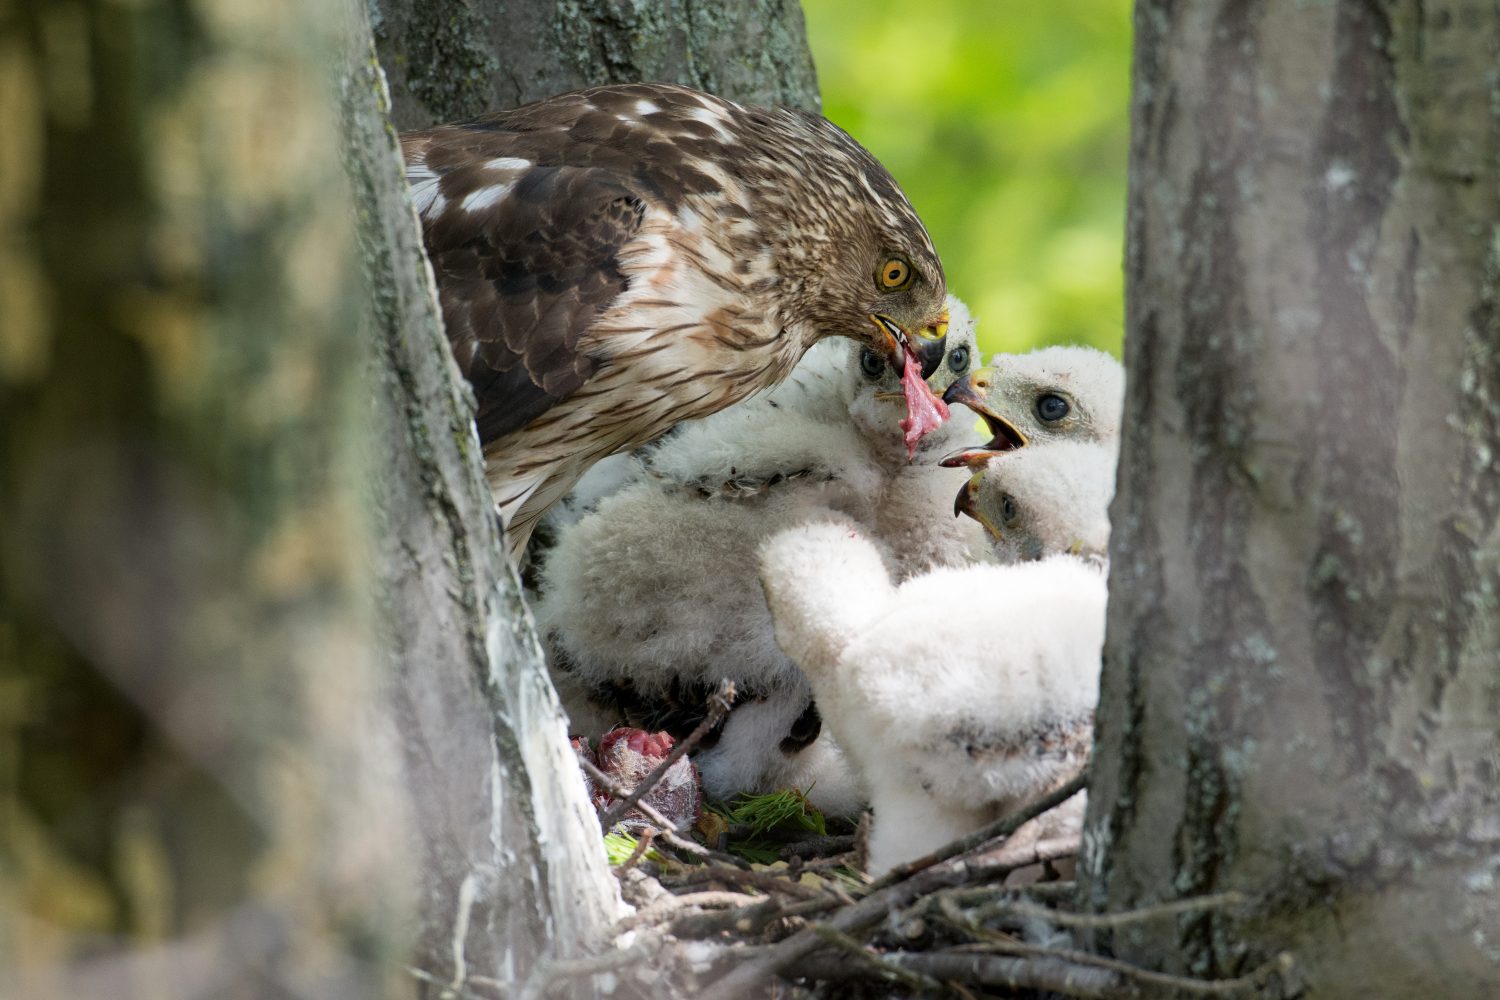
[[1007, 125]]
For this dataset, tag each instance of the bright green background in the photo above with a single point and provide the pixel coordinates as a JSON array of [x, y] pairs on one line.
[[1006, 124]]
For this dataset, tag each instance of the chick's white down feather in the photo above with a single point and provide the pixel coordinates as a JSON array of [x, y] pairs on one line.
[[1089, 381], [1046, 499], [657, 589], [948, 727]]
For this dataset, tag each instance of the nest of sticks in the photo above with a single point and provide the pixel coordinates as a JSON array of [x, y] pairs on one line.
[[710, 922]]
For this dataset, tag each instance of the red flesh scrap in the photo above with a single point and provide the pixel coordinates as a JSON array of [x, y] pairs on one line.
[[924, 411]]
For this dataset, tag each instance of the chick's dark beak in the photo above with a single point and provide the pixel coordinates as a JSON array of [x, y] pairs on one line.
[[929, 345], [970, 392], [965, 503]]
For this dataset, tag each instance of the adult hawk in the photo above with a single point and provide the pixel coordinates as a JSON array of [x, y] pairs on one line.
[[612, 261]]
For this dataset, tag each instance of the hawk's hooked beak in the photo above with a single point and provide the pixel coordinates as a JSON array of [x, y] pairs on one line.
[[928, 346], [1006, 436], [965, 503]]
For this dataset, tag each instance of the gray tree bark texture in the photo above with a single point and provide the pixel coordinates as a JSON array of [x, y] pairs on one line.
[[514, 875], [449, 60], [1301, 692], [513, 869], [200, 794]]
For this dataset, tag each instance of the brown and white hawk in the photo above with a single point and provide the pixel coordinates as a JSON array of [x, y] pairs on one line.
[[612, 261]]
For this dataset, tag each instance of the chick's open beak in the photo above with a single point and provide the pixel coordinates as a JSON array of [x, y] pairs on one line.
[[928, 345], [1006, 436]]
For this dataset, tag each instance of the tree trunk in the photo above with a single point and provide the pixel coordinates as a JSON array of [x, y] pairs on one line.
[[453, 59], [1301, 697], [514, 872], [513, 869], [200, 790]]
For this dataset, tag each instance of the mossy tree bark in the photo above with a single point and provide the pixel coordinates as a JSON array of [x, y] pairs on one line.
[[453, 59], [200, 791], [514, 871], [1301, 697]]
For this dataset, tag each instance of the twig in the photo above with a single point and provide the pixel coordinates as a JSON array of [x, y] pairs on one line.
[[666, 829], [1043, 975], [937, 870], [1197, 987], [666, 908], [1117, 919], [834, 861], [847, 944], [1003, 827], [973, 895], [446, 987], [767, 880], [719, 704], [641, 847], [747, 920], [1036, 852], [818, 846], [1065, 890]]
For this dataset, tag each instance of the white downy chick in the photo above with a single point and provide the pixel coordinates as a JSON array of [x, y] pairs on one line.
[[952, 728], [651, 600], [1051, 394], [836, 421], [1043, 500]]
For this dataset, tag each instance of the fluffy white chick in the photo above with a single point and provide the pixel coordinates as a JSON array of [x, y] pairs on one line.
[[652, 599], [949, 728], [835, 421], [1043, 500]]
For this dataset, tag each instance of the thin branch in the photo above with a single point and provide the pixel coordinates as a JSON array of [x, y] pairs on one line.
[[845, 860], [1003, 827], [1120, 918], [666, 908], [767, 880], [1044, 975], [747, 920], [1197, 987], [448, 988], [818, 846], [847, 944], [641, 847], [719, 704], [1035, 852], [666, 829], [938, 870]]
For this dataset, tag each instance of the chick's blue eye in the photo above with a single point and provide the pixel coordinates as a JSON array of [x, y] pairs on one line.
[[958, 361], [1052, 407], [871, 363]]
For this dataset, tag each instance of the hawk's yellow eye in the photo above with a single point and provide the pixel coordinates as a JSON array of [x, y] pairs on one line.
[[894, 273]]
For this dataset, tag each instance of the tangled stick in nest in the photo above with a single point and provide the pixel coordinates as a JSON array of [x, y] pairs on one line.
[[895, 891]]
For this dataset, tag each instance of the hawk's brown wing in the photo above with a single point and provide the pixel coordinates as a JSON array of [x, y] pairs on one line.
[[521, 278], [522, 275]]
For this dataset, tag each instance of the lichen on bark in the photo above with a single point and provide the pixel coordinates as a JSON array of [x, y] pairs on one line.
[[458, 58], [1299, 698]]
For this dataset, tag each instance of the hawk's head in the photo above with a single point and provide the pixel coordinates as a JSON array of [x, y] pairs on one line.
[[854, 258]]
